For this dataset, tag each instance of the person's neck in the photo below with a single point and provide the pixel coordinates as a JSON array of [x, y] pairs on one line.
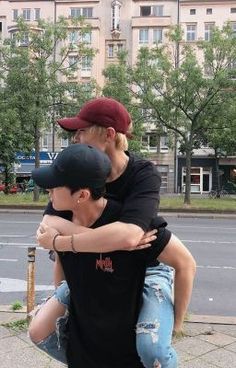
[[87, 213], [119, 162]]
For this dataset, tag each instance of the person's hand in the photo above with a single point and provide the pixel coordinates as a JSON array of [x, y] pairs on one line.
[[45, 236], [145, 241]]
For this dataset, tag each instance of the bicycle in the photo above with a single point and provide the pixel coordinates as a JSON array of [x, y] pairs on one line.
[[218, 193]]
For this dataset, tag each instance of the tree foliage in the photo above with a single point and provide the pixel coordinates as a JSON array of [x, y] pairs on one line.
[[117, 85], [37, 81], [182, 96]]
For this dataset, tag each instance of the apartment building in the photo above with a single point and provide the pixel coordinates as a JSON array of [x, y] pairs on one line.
[[129, 25], [197, 19]]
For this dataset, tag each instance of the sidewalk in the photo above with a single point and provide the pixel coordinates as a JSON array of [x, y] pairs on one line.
[[210, 342]]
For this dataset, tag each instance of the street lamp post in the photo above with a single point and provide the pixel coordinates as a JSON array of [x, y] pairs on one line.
[[176, 137]]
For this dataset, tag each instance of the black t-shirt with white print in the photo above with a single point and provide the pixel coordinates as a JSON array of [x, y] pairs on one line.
[[106, 293]]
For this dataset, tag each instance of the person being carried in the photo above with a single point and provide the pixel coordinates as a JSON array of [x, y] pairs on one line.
[[106, 287], [135, 183]]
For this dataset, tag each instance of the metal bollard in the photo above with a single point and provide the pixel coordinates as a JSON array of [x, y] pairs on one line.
[[30, 281]]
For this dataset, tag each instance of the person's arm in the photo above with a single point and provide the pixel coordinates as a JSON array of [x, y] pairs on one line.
[[92, 241], [176, 255]]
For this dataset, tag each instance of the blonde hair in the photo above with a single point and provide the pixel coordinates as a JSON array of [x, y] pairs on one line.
[[121, 142]]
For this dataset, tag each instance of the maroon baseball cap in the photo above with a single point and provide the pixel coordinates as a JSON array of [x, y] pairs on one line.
[[102, 111]]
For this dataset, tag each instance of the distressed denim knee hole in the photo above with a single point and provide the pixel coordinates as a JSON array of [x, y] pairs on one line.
[[150, 328]]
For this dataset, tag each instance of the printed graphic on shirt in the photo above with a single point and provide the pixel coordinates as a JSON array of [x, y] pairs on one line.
[[105, 264]]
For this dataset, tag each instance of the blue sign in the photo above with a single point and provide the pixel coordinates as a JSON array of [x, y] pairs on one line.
[[44, 157]]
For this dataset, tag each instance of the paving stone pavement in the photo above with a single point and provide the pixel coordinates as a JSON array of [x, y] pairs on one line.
[[205, 345]]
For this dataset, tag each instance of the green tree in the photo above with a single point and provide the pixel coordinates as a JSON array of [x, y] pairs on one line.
[[37, 77], [180, 95], [221, 133], [117, 85]]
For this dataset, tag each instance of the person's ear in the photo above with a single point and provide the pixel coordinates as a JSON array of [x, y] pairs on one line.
[[84, 195], [110, 134]]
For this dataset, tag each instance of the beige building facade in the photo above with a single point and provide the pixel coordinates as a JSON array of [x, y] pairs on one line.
[[128, 25]]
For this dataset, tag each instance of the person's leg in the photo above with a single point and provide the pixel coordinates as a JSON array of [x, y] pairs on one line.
[[156, 319], [48, 327]]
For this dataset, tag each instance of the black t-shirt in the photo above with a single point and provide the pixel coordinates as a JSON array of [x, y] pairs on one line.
[[137, 189], [106, 293]]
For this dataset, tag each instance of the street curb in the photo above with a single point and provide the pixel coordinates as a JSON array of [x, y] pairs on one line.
[[211, 319]]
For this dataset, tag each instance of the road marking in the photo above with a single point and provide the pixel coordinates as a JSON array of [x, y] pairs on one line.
[[21, 245], [17, 285], [207, 241], [17, 236], [19, 222], [201, 227], [217, 267], [8, 260], [26, 245]]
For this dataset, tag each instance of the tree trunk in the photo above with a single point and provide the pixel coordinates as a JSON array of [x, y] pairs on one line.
[[7, 179], [188, 177]]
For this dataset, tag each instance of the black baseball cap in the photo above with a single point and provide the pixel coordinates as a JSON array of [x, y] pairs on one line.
[[77, 166]]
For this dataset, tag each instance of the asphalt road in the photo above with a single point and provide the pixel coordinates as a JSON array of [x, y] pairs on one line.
[[211, 241]]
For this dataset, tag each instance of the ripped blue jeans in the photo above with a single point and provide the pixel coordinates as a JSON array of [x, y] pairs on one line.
[[156, 319], [153, 329], [55, 344]]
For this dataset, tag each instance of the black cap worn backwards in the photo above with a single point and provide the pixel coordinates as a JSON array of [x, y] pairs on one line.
[[77, 166]]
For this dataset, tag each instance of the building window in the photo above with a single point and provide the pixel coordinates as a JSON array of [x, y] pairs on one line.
[[209, 11], [234, 29], [73, 61], [24, 39], [164, 144], [87, 37], [36, 14], [14, 14], [81, 12], [86, 63], [115, 15], [191, 32], [26, 14], [232, 70], [201, 179], [233, 10], [149, 142], [120, 47], [156, 11], [73, 37], [157, 35], [208, 31], [192, 11], [145, 11], [45, 141], [87, 12], [64, 142], [143, 35], [110, 51]]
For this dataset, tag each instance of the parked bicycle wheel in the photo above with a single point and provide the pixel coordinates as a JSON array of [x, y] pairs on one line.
[[212, 194], [224, 193]]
